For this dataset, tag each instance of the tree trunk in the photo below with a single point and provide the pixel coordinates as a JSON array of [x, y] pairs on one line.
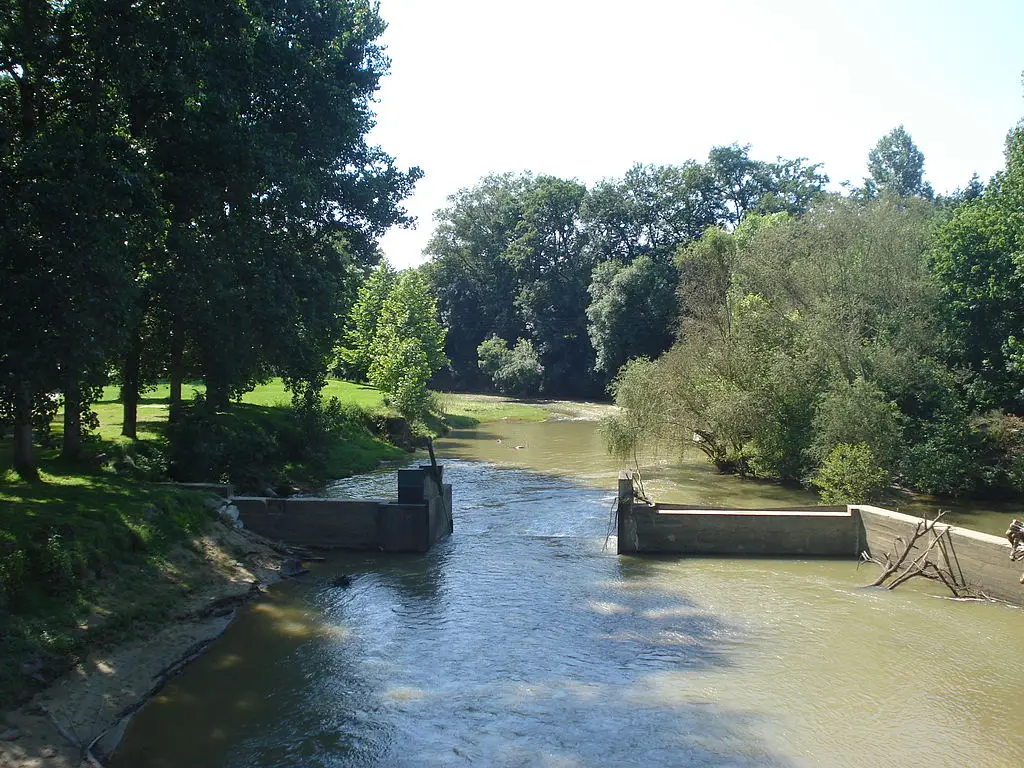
[[130, 382], [218, 395], [24, 460], [177, 373], [71, 446]]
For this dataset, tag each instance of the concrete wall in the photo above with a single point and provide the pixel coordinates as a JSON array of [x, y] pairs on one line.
[[809, 533], [366, 524], [982, 559], [689, 530]]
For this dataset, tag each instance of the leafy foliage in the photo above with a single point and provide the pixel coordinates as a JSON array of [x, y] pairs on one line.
[[850, 475], [516, 371], [408, 345], [632, 311], [790, 337], [977, 262], [549, 261], [896, 166], [363, 319]]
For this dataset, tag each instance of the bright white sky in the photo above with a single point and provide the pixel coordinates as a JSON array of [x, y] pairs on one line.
[[584, 88]]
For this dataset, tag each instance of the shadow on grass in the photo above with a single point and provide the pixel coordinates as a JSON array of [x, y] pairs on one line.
[[83, 561]]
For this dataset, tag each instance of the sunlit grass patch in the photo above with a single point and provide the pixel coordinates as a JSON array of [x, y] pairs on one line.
[[463, 410]]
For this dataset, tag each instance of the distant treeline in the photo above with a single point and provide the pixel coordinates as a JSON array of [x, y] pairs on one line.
[[563, 284], [848, 340]]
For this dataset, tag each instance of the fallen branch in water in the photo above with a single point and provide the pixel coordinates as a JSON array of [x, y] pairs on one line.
[[936, 567]]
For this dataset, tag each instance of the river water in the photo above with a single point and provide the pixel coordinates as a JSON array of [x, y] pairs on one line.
[[525, 641]]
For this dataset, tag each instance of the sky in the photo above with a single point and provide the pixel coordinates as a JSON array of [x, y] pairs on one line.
[[584, 89]]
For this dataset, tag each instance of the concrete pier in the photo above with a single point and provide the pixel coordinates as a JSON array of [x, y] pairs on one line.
[[421, 516]]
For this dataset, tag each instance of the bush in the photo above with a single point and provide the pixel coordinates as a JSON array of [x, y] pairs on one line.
[[517, 371], [961, 454], [850, 474], [402, 376], [206, 447], [858, 413]]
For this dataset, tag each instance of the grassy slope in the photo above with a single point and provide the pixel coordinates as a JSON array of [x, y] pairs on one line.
[[75, 547]]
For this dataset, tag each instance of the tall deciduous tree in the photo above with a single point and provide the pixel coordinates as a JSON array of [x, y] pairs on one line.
[[363, 320], [408, 346], [256, 116], [896, 165], [475, 284], [651, 211], [552, 267], [632, 311], [789, 323], [71, 184]]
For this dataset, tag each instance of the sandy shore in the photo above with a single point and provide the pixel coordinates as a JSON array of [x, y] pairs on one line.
[[56, 728]]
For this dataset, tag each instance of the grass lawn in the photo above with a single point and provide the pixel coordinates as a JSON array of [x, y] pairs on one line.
[[462, 411]]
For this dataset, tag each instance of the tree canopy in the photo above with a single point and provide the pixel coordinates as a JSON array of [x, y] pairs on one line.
[[572, 269], [194, 174]]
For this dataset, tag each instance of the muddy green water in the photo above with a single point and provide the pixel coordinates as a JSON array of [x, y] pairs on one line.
[[523, 641]]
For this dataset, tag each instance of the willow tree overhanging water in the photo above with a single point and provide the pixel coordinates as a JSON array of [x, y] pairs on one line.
[[804, 337]]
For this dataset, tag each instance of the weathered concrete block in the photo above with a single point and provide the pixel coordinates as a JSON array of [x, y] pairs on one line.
[[369, 524]]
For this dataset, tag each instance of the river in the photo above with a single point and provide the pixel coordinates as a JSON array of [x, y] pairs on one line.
[[525, 641]]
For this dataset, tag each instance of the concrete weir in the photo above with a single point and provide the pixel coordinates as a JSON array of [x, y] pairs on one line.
[[421, 515], [981, 560]]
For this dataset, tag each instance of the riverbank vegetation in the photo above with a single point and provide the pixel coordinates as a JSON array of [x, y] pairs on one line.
[[848, 342], [869, 341]]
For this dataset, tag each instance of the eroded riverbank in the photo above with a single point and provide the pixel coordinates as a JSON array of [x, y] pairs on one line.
[[56, 728]]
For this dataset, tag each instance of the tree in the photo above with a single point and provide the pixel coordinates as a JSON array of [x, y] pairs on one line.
[[474, 282], [977, 263], [74, 206], [515, 255], [850, 474], [746, 185], [896, 166], [363, 320], [553, 267], [509, 259], [791, 327], [255, 120], [408, 347], [632, 311], [651, 211], [517, 371]]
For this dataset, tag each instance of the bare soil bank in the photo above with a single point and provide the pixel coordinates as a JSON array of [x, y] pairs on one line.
[[56, 728]]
